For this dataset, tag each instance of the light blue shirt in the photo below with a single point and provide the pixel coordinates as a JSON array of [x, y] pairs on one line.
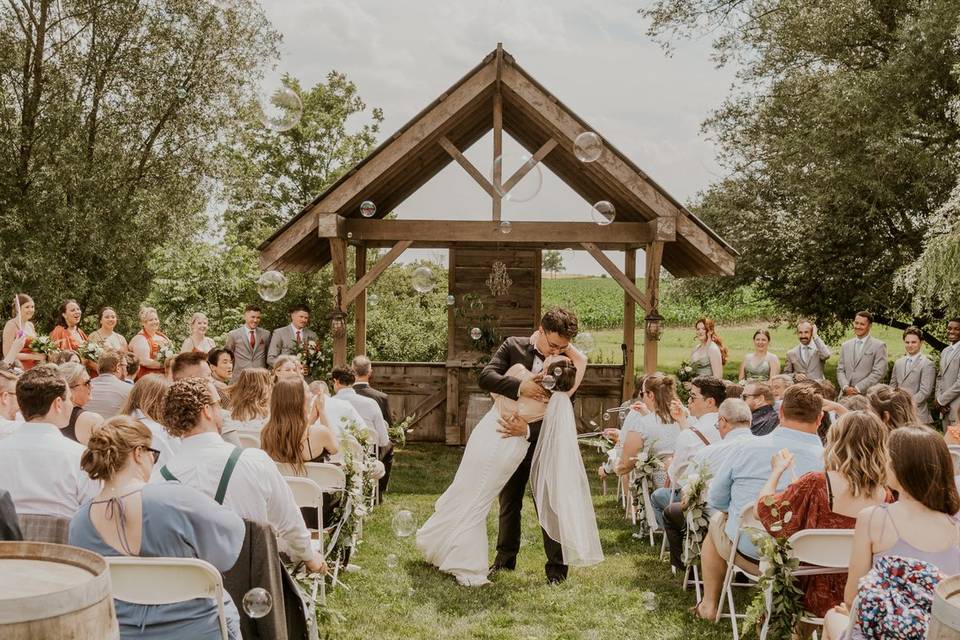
[[739, 479]]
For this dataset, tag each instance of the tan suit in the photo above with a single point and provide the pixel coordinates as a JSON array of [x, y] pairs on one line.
[[918, 379], [808, 359], [948, 381], [864, 371]]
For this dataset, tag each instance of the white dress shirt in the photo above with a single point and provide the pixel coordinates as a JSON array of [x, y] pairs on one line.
[[40, 467], [716, 454], [688, 443], [8, 426], [256, 491], [369, 410]]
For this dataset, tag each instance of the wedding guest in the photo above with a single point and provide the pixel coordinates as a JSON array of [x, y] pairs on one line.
[[921, 524], [363, 369], [805, 361], [284, 340], [145, 404], [863, 359], [759, 397], [733, 390], [182, 523], [249, 343], [629, 422], [106, 337], [108, 391], [21, 323], [894, 406], [915, 373], [191, 364], [244, 480], [221, 364], [369, 410], [10, 362], [339, 412], [82, 422], [740, 478], [296, 431], [709, 356], [856, 403], [198, 340], [657, 427], [854, 471], [778, 386], [947, 397], [8, 404], [760, 365], [287, 367], [148, 342], [67, 334], [63, 357], [250, 400], [38, 466], [133, 366]]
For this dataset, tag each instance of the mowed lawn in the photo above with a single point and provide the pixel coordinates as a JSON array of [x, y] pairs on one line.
[[415, 601]]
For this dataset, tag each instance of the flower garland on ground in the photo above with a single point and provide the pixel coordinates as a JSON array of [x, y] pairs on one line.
[[646, 466], [694, 501], [358, 483], [318, 612]]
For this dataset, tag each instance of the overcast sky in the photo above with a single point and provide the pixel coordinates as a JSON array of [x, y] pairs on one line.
[[594, 56]]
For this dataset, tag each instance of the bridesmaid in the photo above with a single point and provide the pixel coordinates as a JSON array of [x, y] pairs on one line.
[[106, 336], [67, 334], [198, 340], [26, 358], [760, 365], [146, 344], [709, 356]]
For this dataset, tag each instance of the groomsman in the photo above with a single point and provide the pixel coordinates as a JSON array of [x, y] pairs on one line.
[[249, 343], [863, 359], [948, 382], [805, 361], [285, 339], [915, 373]]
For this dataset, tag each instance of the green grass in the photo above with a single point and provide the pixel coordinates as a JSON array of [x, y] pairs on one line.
[[414, 601]]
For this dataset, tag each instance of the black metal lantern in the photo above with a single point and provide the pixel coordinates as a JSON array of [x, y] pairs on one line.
[[338, 322], [654, 326]]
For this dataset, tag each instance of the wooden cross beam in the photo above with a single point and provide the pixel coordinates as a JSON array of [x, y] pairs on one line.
[[541, 153], [370, 276], [468, 166], [628, 286]]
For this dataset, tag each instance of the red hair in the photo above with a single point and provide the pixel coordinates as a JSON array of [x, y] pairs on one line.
[[711, 329]]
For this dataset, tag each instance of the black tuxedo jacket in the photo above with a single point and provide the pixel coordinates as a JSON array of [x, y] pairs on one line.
[[364, 389]]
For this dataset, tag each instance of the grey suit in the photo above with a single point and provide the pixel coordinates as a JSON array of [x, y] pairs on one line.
[[283, 340], [948, 382], [865, 371], [245, 357], [809, 364], [918, 379]]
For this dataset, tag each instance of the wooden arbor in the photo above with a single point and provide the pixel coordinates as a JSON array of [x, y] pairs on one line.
[[497, 95]]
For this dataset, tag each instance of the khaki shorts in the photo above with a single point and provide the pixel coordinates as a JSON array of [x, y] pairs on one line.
[[723, 543]]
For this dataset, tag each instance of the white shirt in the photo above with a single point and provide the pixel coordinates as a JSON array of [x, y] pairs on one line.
[[338, 412], [8, 426], [40, 467], [369, 411], [715, 455], [688, 443], [167, 445], [256, 491]]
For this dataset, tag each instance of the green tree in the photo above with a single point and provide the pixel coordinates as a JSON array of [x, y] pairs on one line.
[[552, 262]]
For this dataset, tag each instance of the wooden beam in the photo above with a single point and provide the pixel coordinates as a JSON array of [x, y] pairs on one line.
[[497, 147], [467, 166], [541, 153], [338, 255], [625, 283], [427, 405], [453, 429], [374, 273], [360, 312], [629, 325], [654, 259], [272, 255]]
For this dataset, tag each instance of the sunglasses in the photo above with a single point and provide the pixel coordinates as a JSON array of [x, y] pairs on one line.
[[156, 454]]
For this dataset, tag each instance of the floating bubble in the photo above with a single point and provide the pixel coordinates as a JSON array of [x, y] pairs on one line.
[[272, 285], [392, 560], [583, 342], [257, 602], [422, 280], [603, 212], [404, 525], [548, 382], [587, 146], [368, 209], [181, 92], [557, 371], [279, 108], [475, 333], [649, 600], [411, 592], [505, 227], [529, 185], [373, 299], [606, 417], [349, 234], [451, 300]]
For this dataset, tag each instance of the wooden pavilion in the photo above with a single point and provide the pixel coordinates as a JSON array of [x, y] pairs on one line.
[[496, 95]]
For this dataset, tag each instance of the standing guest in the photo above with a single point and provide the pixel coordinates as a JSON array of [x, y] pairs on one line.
[[198, 340], [761, 365], [863, 359], [221, 364], [249, 343], [915, 373], [948, 381], [67, 334], [20, 323], [250, 400], [369, 410], [894, 406], [38, 466], [132, 518], [778, 387], [285, 340], [244, 480], [805, 361], [759, 398], [8, 404], [287, 367], [106, 336], [709, 356], [82, 422], [363, 369], [108, 391], [145, 404], [147, 343]]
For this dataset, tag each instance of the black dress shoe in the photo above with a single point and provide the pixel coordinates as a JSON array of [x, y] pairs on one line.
[[555, 579], [496, 566]]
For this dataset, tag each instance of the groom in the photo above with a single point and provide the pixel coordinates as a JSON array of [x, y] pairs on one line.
[[557, 328]]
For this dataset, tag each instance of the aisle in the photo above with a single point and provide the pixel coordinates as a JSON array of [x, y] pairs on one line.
[[414, 601]]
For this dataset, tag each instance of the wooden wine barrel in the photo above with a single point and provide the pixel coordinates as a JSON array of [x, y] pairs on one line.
[[945, 617], [478, 404], [54, 591]]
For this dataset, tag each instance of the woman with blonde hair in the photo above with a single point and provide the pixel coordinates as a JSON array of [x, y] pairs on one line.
[[287, 366], [131, 517], [148, 342], [19, 330], [145, 403], [250, 399], [894, 406], [296, 431], [197, 340], [106, 336], [709, 356], [82, 423]]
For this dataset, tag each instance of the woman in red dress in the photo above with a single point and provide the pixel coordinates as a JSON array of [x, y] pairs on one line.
[[148, 342], [20, 325]]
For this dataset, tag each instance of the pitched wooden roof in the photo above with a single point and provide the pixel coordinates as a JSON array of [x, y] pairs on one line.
[[531, 115]]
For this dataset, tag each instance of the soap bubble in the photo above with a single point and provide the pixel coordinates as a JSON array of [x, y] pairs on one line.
[[404, 525], [368, 209], [603, 212], [606, 417], [392, 560], [587, 146], [257, 602], [583, 342], [548, 382], [649, 600], [181, 93], [557, 371], [451, 300], [505, 227], [422, 280], [529, 185], [411, 592], [373, 299], [475, 333], [272, 285], [279, 108]]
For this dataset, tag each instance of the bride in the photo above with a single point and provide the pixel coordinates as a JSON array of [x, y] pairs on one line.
[[454, 539]]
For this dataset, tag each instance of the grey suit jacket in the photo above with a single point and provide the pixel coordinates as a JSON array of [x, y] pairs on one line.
[[866, 371], [948, 382], [919, 380], [245, 357], [283, 340], [108, 394], [812, 367]]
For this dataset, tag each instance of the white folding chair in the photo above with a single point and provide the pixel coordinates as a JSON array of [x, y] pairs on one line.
[[329, 477], [153, 581], [249, 439], [748, 520], [955, 455], [309, 495]]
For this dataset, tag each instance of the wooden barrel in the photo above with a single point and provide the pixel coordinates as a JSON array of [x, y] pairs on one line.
[[478, 405], [945, 617], [54, 591]]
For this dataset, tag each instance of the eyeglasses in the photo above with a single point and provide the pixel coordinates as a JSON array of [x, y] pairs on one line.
[[156, 454], [82, 384], [693, 397]]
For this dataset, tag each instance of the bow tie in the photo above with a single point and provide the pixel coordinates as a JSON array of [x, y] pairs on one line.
[[537, 354]]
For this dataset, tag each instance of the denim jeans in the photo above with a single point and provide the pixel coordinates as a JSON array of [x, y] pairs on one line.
[[660, 499]]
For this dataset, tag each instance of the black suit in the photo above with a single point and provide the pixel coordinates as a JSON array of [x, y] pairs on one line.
[[386, 453], [493, 380]]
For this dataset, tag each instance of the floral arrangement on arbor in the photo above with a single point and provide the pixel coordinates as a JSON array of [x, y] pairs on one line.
[[646, 466], [693, 498]]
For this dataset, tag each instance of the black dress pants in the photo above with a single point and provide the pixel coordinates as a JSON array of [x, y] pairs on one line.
[[675, 526]]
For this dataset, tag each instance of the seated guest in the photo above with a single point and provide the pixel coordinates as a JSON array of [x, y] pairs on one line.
[[9, 523], [145, 404], [369, 410], [108, 391], [854, 471], [38, 466], [198, 341], [856, 403], [245, 480], [657, 427], [915, 373], [8, 404], [192, 364], [629, 421], [296, 431], [760, 399], [733, 390], [338, 412], [287, 366], [740, 478], [221, 365], [133, 366], [250, 400], [894, 406], [921, 524], [82, 422], [182, 523], [778, 386], [64, 356]]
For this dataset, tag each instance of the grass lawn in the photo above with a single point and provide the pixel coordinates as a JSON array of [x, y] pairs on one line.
[[417, 602]]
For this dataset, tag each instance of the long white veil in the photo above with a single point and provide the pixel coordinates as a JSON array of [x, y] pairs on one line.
[[560, 486]]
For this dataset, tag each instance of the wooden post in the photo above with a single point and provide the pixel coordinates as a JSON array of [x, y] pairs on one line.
[[452, 427], [654, 255], [498, 140], [338, 256], [629, 325], [360, 308]]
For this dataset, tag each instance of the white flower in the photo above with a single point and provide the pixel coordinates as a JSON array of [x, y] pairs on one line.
[[642, 457], [692, 478]]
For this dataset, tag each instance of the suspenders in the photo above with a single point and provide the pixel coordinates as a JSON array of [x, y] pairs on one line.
[[224, 477]]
